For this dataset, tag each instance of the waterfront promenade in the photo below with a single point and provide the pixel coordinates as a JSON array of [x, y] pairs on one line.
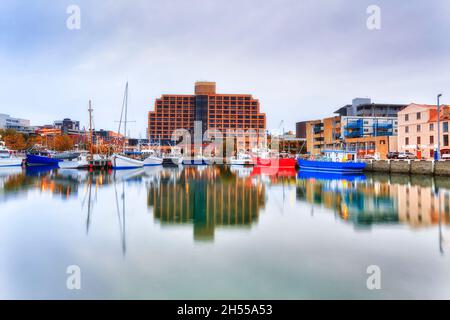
[[420, 167]]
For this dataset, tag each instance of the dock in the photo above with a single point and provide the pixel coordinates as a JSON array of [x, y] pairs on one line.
[[416, 167]]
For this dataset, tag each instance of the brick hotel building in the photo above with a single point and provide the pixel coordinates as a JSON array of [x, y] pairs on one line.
[[216, 111]]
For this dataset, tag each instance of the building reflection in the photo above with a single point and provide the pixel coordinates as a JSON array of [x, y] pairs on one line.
[[379, 199], [208, 198]]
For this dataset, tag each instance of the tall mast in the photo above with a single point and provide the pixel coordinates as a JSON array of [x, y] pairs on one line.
[[90, 130], [126, 117]]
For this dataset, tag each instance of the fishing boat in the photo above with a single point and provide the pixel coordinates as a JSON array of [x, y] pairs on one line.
[[333, 161], [151, 158], [41, 157], [241, 159], [174, 158], [81, 162], [122, 161], [269, 158], [7, 159]]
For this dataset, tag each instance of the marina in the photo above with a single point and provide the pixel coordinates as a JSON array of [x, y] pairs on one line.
[[212, 227]]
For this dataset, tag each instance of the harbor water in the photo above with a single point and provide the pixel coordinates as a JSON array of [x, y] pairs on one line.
[[215, 232]]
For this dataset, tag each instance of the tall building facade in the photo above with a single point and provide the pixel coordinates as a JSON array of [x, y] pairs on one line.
[[418, 133], [20, 125], [364, 107], [215, 111]]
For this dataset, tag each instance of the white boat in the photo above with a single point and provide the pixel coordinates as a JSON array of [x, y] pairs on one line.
[[6, 157], [151, 158], [119, 161], [242, 159], [174, 158], [79, 163]]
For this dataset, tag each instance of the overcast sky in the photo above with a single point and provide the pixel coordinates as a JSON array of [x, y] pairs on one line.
[[302, 58]]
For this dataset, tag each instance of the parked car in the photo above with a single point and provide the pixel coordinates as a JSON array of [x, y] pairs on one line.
[[392, 155], [406, 155], [446, 157]]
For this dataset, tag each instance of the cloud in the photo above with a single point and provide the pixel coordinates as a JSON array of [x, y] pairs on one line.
[[302, 59]]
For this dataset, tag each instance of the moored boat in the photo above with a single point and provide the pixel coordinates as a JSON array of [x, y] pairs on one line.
[[335, 161], [151, 158], [269, 158], [119, 161], [41, 159], [7, 159], [241, 159]]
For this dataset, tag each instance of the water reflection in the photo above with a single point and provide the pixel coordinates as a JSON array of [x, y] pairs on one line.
[[211, 197], [208, 198], [379, 199]]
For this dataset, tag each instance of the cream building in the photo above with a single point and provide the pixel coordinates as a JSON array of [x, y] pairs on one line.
[[417, 130]]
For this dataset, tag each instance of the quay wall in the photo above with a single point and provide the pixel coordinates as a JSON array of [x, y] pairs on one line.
[[415, 167]]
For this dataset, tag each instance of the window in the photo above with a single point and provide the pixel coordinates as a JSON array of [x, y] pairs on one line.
[[406, 141], [418, 128], [446, 140], [445, 127], [406, 129], [406, 117], [431, 126], [431, 139], [418, 115], [418, 140]]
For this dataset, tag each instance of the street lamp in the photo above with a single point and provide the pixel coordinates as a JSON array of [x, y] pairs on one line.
[[439, 126]]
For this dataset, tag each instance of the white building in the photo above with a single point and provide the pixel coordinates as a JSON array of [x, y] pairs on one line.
[[20, 125]]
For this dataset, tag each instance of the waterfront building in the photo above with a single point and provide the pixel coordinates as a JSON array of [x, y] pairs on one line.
[[417, 132], [67, 126], [17, 124], [363, 107], [363, 126], [323, 134], [215, 110], [300, 129]]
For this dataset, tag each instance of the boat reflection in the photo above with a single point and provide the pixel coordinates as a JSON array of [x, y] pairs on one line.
[[367, 200], [208, 198]]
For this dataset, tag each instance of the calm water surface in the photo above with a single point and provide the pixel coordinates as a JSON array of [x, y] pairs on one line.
[[216, 232]]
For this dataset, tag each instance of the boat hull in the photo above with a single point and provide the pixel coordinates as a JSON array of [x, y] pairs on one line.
[[76, 164], [331, 167], [122, 162], [10, 162], [35, 160], [153, 161], [284, 163]]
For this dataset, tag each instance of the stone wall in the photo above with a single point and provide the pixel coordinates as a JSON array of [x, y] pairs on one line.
[[417, 167]]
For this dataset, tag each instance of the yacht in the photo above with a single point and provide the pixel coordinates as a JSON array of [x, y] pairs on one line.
[[121, 160], [6, 157]]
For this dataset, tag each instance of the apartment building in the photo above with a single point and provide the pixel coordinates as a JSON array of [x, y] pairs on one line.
[[216, 112], [418, 131]]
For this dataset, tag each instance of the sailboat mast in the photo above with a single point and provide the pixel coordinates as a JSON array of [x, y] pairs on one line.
[[126, 117], [90, 130]]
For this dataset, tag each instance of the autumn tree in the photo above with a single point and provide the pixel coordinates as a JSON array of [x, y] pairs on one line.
[[63, 143], [13, 140]]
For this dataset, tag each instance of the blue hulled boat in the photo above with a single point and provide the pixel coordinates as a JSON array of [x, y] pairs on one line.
[[336, 161], [41, 160]]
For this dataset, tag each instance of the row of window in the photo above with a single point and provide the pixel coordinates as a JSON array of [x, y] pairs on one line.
[[431, 140], [418, 116], [431, 127]]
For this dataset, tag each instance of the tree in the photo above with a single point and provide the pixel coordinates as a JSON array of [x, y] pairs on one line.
[[63, 143], [14, 140]]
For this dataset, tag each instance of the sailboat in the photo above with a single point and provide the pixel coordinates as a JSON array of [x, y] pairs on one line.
[[121, 161]]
